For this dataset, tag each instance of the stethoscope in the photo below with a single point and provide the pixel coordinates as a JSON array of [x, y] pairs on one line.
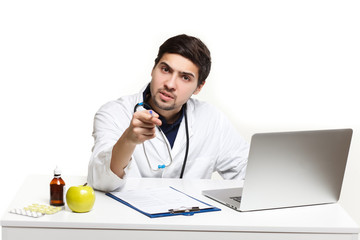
[[162, 166]]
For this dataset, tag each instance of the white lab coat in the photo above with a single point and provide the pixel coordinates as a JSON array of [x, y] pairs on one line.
[[214, 146]]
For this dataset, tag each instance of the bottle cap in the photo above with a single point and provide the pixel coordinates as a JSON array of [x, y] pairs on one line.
[[57, 171]]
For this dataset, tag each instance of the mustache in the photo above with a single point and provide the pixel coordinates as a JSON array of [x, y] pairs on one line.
[[167, 91]]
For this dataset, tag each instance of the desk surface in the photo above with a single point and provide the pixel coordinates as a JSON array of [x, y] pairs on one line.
[[109, 214]]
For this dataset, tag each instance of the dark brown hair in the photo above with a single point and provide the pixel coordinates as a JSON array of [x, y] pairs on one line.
[[191, 48]]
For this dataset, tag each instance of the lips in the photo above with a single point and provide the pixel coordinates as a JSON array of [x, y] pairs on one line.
[[166, 96]]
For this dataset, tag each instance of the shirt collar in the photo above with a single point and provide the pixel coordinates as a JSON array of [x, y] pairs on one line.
[[146, 92]]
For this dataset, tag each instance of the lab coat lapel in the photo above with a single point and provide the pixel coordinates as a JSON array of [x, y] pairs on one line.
[[180, 141]]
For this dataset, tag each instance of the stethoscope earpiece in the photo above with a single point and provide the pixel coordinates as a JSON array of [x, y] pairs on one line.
[[161, 166]]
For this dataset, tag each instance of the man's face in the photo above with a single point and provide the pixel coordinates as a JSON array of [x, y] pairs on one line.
[[174, 81]]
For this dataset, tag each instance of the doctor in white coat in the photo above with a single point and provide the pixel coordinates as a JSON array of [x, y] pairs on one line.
[[162, 131]]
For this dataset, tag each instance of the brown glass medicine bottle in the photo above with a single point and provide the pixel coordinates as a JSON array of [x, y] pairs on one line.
[[57, 188]]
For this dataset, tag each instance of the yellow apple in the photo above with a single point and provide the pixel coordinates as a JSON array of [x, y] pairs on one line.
[[80, 198]]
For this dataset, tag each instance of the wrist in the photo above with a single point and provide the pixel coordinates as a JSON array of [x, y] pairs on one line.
[[127, 139]]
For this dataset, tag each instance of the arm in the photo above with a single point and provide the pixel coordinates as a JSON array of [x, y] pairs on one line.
[[112, 123], [141, 128], [233, 152]]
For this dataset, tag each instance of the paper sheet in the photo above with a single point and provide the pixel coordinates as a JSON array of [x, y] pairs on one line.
[[159, 200]]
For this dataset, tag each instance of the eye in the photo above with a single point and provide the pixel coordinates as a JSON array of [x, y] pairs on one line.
[[165, 69], [186, 77]]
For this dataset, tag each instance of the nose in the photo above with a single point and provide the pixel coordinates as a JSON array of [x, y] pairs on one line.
[[170, 84]]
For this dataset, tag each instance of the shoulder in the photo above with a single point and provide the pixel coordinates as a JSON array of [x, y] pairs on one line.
[[125, 102], [198, 107], [205, 113], [121, 108]]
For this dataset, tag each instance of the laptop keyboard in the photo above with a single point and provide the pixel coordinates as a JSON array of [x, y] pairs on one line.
[[238, 198]]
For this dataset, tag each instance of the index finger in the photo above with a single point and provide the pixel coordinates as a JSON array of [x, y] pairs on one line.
[[148, 116]]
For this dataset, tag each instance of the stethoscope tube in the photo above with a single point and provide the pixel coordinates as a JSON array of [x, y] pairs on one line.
[[145, 105], [187, 144]]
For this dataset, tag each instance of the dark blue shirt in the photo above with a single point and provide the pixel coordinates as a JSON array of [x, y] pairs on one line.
[[170, 130]]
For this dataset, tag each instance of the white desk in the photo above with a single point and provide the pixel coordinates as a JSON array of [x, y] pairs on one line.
[[110, 219]]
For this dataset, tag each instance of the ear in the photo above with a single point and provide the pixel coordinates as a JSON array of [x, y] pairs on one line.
[[152, 72], [198, 89]]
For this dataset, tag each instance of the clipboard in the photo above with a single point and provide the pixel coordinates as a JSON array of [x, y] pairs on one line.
[[173, 198]]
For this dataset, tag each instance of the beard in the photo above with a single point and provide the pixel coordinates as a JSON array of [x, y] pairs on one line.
[[161, 105]]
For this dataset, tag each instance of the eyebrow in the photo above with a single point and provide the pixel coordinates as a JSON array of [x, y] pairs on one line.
[[185, 73]]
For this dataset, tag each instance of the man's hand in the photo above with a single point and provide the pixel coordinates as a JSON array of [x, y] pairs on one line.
[[142, 126]]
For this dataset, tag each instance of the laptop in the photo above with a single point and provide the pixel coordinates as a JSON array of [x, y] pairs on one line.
[[290, 169]]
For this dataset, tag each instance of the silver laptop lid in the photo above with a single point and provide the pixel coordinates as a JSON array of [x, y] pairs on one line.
[[295, 168]]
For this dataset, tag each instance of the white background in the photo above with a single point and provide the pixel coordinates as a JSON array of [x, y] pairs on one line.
[[277, 66]]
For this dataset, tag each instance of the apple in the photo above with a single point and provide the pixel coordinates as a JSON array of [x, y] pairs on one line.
[[80, 198]]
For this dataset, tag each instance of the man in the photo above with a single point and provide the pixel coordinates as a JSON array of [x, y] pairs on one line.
[[162, 131]]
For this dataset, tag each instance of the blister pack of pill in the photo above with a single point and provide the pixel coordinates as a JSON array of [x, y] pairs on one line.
[[36, 210]]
